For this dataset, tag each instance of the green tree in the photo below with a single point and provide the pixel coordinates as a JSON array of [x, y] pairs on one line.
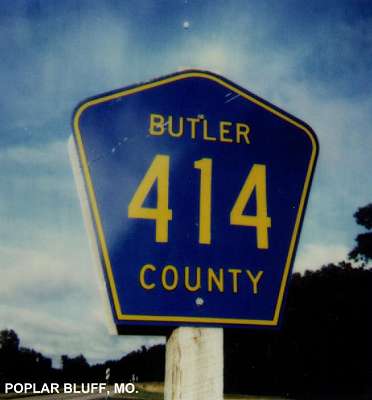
[[9, 341], [75, 369], [363, 250]]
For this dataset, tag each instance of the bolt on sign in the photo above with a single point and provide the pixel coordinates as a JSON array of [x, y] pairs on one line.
[[196, 191]]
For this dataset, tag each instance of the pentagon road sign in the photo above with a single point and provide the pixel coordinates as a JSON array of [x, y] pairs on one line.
[[196, 191]]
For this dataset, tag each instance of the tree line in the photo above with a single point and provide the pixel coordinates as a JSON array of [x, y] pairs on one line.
[[321, 351]]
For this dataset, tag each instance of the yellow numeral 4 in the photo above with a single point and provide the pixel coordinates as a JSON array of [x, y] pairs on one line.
[[256, 181], [158, 172]]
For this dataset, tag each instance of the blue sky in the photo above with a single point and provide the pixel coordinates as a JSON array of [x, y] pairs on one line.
[[312, 60]]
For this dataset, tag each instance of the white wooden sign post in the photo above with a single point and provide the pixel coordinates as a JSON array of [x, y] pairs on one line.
[[194, 364]]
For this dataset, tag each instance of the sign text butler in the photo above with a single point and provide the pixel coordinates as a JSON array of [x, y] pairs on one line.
[[197, 190]]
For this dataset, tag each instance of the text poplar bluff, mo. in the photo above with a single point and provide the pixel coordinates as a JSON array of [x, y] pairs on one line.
[[68, 388], [193, 278]]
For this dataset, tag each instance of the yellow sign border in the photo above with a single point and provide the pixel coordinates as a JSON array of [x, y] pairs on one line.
[[99, 230]]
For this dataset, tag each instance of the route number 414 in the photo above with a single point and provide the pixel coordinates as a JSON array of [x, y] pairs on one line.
[[158, 173]]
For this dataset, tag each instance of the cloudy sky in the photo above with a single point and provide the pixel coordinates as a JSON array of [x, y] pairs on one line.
[[312, 60]]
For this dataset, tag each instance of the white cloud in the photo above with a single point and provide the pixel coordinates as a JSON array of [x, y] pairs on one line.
[[50, 296], [34, 180], [80, 58], [39, 275], [51, 154], [315, 255], [54, 336]]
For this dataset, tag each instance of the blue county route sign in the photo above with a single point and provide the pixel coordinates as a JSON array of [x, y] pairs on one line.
[[196, 191]]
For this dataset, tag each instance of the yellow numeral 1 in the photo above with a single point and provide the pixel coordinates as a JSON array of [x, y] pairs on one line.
[[158, 172], [205, 167], [256, 180]]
